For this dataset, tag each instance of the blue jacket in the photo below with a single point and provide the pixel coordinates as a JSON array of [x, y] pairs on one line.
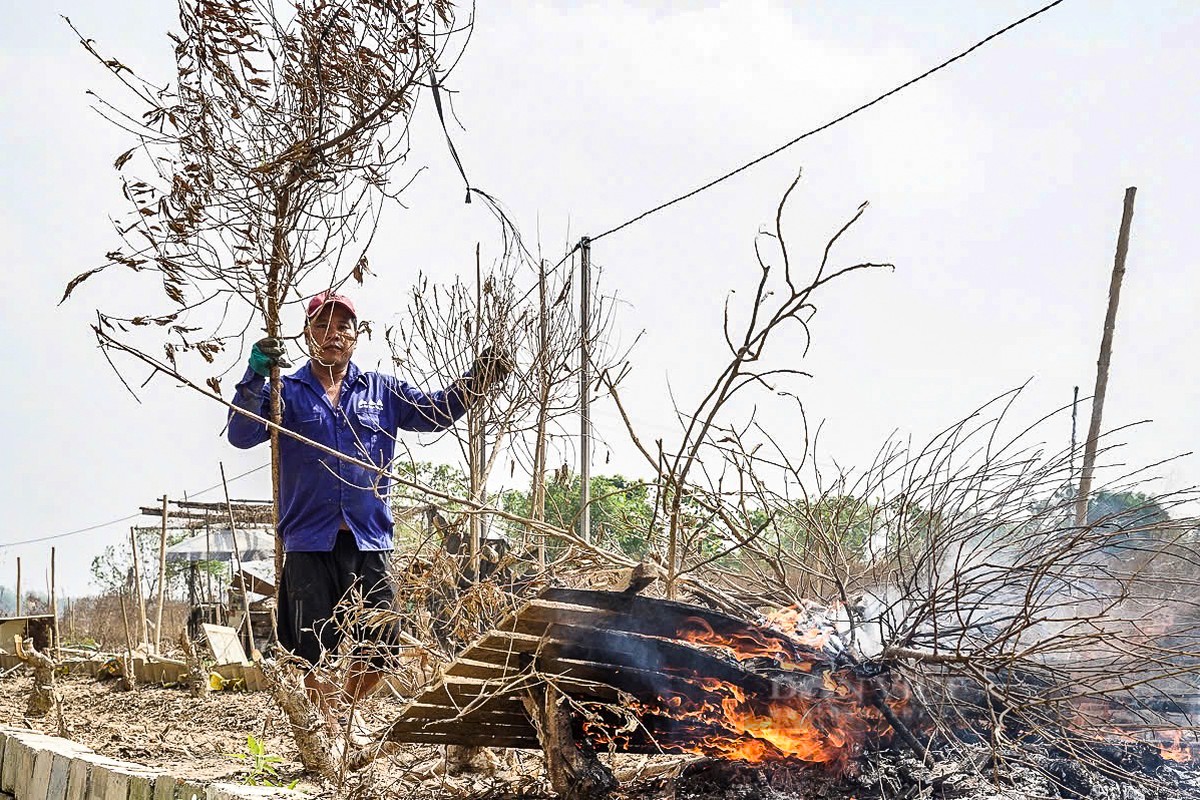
[[318, 492]]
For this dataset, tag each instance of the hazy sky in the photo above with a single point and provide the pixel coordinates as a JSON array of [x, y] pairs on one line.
[[995, 189]]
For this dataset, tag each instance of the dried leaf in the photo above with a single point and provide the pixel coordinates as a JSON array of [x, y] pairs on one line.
[[78, 279], [361, 269], [174, 293], [121, 159], [214, 384]]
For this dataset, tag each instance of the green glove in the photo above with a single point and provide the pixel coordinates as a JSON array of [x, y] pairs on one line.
[[491, 366], [268, 353]]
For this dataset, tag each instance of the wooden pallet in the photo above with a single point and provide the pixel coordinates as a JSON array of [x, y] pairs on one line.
[[597, 647]]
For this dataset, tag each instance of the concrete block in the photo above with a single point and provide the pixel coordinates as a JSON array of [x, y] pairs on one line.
[[79, 780], [110, 779], [8, 767], [23, 786], [60, 768], [237, 791], [164, 787], [141, 787], [109, 783], [39, 781], [185, 790]]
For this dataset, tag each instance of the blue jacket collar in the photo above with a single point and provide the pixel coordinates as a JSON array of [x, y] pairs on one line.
[[305, 375]]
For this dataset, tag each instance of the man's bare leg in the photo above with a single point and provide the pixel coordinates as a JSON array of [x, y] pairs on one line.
[[361, 682], [326, 696]]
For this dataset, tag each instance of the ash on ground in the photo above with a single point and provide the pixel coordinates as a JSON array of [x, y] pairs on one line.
[[971, 774]]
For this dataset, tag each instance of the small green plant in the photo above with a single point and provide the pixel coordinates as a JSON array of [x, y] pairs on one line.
[[262, 765]]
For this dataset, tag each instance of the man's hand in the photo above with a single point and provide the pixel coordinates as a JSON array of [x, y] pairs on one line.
[[268, 353], [491, 366]]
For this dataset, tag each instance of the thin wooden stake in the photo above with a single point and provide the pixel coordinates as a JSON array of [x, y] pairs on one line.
[[1102, 364], [128, 675], [18, 586], [475, 430], [1074, 438], [54, 606], [162, 577], [537, 497], [255, 656], [585, 380], [137, 582]]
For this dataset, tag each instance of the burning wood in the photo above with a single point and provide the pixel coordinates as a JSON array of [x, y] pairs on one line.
[[644, 675], [658, 676]]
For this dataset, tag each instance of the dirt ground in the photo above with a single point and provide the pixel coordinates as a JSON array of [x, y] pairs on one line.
[[199, 739]]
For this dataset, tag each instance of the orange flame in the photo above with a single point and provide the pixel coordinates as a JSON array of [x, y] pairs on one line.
[[1175, 751], [751, 643], [821, 720]]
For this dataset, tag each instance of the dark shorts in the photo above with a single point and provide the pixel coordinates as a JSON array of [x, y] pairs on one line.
[[343, 594]]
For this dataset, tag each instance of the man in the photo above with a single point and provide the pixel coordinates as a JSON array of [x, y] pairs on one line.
[[334, 517]]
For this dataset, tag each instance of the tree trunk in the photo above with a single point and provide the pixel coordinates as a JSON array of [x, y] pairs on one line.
[[137, 582], [43, 696], [574, 772], [197, 675], [162, 579], [308, 727], [1102, 364]]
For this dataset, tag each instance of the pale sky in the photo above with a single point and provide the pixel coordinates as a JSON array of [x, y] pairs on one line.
[[995, 188]]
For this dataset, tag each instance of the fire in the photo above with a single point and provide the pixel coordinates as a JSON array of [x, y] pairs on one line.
[[1175, 751], [744, 645], [804, 706], [820, 729], [799, 625]]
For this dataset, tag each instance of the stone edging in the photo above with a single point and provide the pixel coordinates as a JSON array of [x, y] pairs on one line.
[[34, 766]]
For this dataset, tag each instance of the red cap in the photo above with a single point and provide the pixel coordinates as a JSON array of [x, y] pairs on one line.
[[327, 298]]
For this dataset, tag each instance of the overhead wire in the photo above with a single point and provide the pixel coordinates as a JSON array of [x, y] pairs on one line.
[[99, 525], [847, 115], [643, 215]]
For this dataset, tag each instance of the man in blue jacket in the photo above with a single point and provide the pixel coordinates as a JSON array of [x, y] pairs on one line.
[[334, 518]]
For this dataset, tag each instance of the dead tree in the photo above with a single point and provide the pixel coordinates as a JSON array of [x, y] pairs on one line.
[[1102, 363], [695, 509], [520, 307], [196, 676], [574, 771], [262, 169], [43, 695]]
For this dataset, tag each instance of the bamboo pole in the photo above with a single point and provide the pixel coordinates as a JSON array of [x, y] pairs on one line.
[[18, 586], [54, 606], [276, 286], [537, 497], [585, 380], [1074, 437], [128, 672], [475, 431], [137, 582], [1102, 363], [162, 577], [255, 656]]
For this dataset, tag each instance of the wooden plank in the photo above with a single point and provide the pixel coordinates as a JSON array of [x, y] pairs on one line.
[[467, 668], [447, 727], [225, 643], [467, 737], [650, 616], [461, 692], [594, 643], [507, 714]]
